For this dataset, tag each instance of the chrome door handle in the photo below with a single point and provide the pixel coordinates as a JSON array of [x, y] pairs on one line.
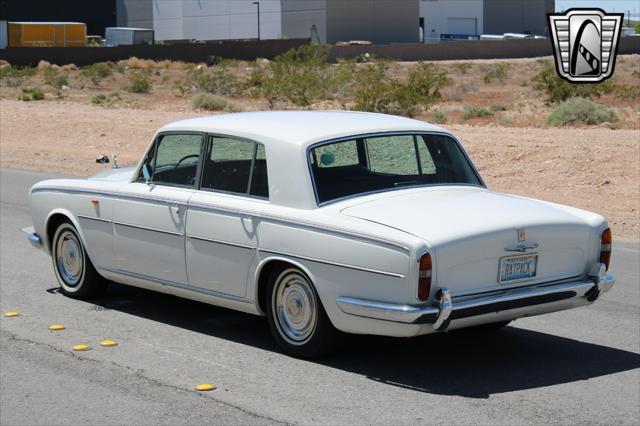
[[177, 207]]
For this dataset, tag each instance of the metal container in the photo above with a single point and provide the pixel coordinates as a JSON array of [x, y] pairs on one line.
[[116, 36], [47, 34]]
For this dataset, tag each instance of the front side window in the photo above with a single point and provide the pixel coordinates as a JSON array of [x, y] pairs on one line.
[[174, 159], [367, 164], [235, 166]]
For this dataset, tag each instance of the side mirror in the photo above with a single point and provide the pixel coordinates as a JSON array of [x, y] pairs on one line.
[[146, 173], [102, 159]]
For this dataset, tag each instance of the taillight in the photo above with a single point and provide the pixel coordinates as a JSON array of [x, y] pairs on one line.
[[424, 277], [605, 247]]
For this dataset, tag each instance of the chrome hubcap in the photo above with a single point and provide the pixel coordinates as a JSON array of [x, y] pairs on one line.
[[69, 258], [295, 307]]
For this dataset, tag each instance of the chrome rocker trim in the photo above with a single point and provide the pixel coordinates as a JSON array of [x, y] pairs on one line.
[[32, 237], [447, 310]]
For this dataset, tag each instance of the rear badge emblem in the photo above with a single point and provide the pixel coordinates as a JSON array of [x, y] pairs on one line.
[[522, 234]]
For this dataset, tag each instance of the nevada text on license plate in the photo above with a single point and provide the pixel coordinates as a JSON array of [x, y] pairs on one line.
[[518, 268]]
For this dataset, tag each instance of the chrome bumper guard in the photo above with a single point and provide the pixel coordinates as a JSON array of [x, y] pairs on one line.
[[447, 310], [32, 237]]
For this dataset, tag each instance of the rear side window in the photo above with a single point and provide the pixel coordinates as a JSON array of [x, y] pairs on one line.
[[236, 166]]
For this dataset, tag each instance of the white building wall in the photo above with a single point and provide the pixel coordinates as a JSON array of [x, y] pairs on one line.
[[216, 19], [450, 16]]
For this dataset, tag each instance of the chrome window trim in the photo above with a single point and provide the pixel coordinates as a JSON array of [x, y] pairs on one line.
[[326, 262], [177, 284], [380, 134]]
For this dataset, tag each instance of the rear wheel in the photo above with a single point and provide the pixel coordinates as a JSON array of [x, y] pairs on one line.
[[74, 271], [297, 319]]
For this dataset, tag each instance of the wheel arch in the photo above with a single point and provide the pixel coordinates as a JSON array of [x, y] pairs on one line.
[[263, 270], [53, 219]]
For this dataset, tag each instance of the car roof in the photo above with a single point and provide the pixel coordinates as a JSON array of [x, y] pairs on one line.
[[299, 128]]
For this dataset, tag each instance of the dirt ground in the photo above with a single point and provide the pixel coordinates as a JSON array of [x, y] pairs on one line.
[[592, 168]]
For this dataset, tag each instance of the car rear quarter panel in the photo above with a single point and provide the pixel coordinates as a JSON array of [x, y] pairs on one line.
[[376, 265]]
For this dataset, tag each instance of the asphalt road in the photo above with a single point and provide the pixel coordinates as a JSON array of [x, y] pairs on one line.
[[580, 366]]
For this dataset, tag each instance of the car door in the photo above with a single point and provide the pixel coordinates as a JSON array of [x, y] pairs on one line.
[[222, 216], [150, 214]]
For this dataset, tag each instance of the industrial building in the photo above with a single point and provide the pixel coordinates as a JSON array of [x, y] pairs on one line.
[[475, 17], [324, 21], [379, 21]]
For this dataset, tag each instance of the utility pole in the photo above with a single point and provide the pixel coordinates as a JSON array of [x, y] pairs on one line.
[[257, 3]]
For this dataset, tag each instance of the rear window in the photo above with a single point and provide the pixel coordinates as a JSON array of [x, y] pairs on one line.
[[361, 165]]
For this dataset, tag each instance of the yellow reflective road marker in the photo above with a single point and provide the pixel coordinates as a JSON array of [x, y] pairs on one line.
[[205, 387], [11, 314], [81, 348], [56, 327], [108, 343]]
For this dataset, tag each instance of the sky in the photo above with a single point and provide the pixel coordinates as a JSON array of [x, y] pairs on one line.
[[620, 6]]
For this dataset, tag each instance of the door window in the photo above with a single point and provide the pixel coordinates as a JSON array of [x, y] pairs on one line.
[[176, 159]]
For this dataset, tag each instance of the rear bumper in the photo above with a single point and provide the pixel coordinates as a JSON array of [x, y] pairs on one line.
[[450, 309]]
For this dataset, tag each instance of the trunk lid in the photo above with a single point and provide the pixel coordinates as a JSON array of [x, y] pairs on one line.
[[470, 230]]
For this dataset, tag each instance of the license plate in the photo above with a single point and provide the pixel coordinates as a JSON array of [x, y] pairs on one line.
[[518, 268]]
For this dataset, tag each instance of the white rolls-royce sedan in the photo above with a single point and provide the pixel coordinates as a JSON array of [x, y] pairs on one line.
[[322, 221]]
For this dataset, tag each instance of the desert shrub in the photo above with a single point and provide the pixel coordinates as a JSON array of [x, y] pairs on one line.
[[209, 102], [218, 81], [109, 99], [626, 91], [426, 81], [462, 67], [473, 111], [97, 72], [374, 90], [31, 94], [371, 89], [438, 117], [16, 72], [99, 99], [299, 76], [558, 89], [136, 63], [496, 72], [495, 107], [54, 78], [581, 111], [139, 82]]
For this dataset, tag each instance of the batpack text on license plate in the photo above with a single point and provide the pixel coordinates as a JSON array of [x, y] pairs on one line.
[[518, 268]]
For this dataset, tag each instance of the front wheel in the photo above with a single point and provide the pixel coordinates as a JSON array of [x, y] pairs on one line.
[[296, 316], [74, 271]]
